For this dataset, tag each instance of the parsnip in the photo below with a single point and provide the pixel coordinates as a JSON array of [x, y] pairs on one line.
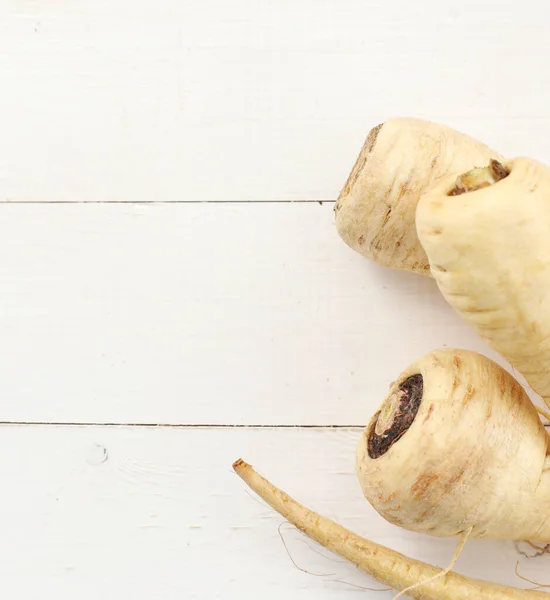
[[489, 251], [399, 161], [383, 564], [458, 444]]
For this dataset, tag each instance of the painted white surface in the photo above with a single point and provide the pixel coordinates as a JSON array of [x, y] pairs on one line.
[[251, 100], [121, 513], [248, 313], [215, 300]]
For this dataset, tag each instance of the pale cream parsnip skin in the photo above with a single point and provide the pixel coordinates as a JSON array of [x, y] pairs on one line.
[[399, 161], [474, 455], [489, 251], [381, 563]]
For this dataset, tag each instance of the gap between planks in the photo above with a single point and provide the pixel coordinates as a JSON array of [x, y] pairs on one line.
[[184, 425], [16, 202], [177, 425]]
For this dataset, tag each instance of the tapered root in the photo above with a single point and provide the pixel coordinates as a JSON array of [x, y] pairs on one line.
[[382, 564]]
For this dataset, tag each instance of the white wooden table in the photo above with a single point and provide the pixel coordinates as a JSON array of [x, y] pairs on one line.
[[173, 293]]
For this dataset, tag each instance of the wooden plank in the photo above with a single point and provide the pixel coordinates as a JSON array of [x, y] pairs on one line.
[[202, 313], [205, 100], [107, 512]]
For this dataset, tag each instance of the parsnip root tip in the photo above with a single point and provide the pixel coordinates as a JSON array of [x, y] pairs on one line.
[[239, 464]]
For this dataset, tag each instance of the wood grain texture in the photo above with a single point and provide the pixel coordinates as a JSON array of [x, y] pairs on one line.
[[164, 260], [201, 313], [120, 514], [205, 100]]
